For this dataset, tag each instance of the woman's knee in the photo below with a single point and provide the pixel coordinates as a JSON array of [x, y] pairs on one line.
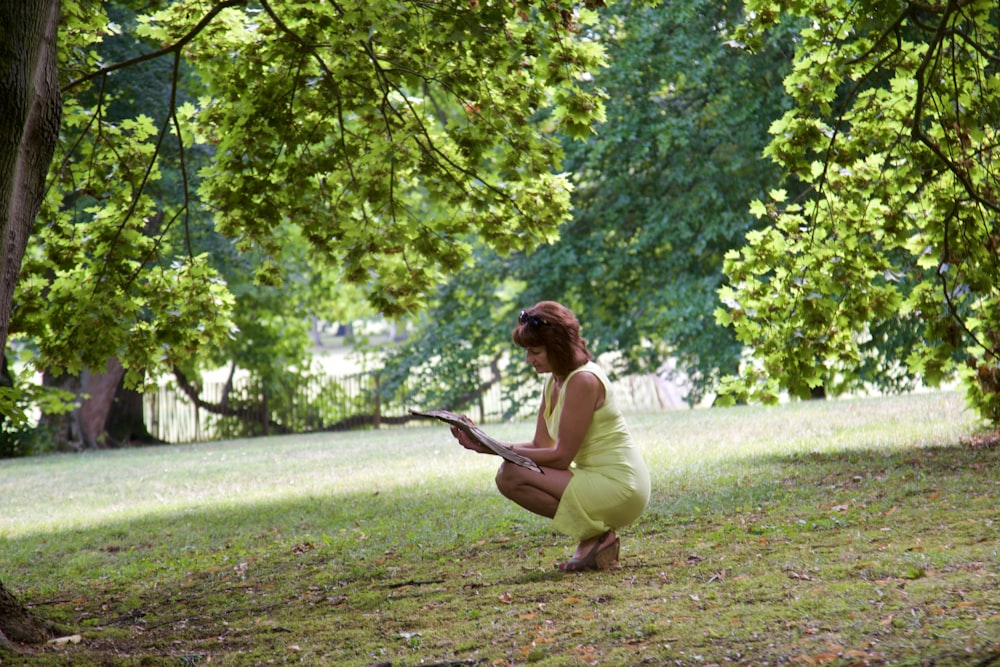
[[506, 478]]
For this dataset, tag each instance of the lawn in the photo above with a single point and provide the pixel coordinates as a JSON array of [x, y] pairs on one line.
[[860, 532]]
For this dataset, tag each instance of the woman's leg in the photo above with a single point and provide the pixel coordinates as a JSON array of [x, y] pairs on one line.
[[538, 493], [542, 494], [600, 541]]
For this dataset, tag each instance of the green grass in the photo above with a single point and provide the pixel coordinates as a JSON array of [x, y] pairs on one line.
[[858, 532]]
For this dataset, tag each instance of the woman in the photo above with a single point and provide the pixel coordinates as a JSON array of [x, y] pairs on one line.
[[594, 480]]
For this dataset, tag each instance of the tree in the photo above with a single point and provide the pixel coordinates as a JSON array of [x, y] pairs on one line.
[[29, 125], [664, 185], [343, 119], [894, 130], [663, 189]]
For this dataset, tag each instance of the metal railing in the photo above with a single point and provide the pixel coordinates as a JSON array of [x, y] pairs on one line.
[[327, 403]]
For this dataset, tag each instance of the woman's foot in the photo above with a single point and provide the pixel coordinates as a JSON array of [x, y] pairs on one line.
[[599, 553]]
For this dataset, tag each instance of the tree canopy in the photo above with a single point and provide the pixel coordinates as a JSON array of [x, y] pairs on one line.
[[389, 136], [891, 252]]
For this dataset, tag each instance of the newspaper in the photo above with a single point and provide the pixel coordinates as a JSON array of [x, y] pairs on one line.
[[480, 436]]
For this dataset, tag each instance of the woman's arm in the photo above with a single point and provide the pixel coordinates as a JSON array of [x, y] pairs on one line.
[[541, 439], [584, 394]]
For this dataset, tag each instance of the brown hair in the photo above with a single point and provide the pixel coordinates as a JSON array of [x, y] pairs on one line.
[[553, 326]]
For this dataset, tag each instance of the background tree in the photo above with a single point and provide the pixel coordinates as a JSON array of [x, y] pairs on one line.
[[663, 188], [662, 192], [894, 131]]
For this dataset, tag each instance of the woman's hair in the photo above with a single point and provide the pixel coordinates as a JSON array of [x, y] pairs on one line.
[[553, 326]]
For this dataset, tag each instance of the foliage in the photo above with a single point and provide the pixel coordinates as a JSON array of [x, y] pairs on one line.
[[839, 533], [351, 120], [662, 192], [462, 344], [339, 149], [18, 436], [894, 131], [663, 187]]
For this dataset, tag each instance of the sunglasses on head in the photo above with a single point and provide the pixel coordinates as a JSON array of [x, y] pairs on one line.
[[532, 320]]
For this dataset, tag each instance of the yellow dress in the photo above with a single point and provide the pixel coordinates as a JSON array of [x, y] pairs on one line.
[[610, 486]]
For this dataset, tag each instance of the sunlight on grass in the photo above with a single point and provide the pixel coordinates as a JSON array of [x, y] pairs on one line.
[[75, 491], [60, 492]]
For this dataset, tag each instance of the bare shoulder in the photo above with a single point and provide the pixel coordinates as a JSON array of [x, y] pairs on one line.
[[585, 379], [586, 386]]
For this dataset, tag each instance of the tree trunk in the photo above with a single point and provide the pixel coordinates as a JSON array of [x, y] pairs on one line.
[[315, 331], [111, 416], [126, 424], [100, 390], [30, 109], [18, 624], [63, 430], [817, 393]]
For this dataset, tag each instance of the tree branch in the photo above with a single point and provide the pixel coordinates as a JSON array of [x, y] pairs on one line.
[[175, 47], [946, 293], [918, 133]]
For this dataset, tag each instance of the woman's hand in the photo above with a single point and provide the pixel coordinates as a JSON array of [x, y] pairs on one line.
[[467, 441]]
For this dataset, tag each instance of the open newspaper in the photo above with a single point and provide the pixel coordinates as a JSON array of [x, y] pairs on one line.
[[480, 436]]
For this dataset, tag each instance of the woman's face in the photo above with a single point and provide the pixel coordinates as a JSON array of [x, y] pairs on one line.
[[538, 358]]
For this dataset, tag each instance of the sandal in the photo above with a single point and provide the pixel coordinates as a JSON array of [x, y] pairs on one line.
[[598, 558]]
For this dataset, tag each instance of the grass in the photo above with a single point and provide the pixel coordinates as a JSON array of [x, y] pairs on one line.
[[840, 533]]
